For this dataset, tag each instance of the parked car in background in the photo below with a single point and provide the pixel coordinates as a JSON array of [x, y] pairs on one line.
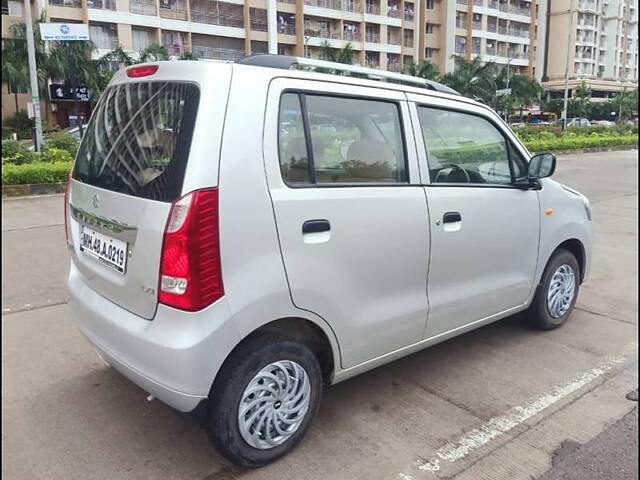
[[233, 265], [604, 123]]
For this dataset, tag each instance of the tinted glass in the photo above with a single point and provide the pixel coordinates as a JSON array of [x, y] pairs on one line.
[[355, 140], [294, 162], [463, 148], [138, 139]]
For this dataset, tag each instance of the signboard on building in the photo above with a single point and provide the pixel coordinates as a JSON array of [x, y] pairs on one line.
[[64, 31], [58, 91]]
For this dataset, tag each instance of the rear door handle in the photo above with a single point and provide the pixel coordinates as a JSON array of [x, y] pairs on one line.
[[451, 217], [316, 226]]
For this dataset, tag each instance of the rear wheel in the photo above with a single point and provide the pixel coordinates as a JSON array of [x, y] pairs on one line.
[[557, 292], [264, 399]]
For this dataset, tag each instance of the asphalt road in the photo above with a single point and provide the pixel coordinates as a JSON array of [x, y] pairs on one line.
[[501, 402]]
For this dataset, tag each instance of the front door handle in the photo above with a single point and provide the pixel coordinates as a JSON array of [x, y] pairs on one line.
[[316, 226], [451, 217]]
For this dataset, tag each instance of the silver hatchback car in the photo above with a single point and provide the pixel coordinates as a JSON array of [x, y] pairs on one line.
[[243, 234]]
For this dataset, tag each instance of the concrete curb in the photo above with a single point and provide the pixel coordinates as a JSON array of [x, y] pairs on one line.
[[32, 189]]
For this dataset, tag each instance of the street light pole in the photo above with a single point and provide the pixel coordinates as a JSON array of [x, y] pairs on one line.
[[566, 69], [33, 76], [506, 110]]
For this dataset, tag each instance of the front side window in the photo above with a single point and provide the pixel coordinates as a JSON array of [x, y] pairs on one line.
[[465, 148], [340, 140]]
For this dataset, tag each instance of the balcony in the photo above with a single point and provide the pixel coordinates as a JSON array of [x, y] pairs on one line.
[[177, 11], [408, 16], [408, 42], [287, 29], [290, 2], [394, 40], [65, 3], [216, 53], [461, 23], [105, 42], [372, 9], [491, 50], [324, 33], [518, 33], [102, 4], [587, 5], [462, 2], [372, 37], [372, 64], [143, 7], [394, 67], [478, 3], [351, 6], [477, 25], [352, 36], [200, 15], [393, 13], [492, 27], [517, 55], [331, 4]]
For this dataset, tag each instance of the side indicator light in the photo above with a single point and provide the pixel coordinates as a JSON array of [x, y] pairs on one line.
[[548, 211]]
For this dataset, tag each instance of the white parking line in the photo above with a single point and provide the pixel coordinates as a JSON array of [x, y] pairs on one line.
[[497, 426]]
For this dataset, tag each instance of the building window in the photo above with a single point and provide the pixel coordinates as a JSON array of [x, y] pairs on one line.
[[430, 5], [428, 53], [461, 44], [11, 8], [429, 28]]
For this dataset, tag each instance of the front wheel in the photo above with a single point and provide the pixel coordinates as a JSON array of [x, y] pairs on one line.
[[557, 293], [264, 399]]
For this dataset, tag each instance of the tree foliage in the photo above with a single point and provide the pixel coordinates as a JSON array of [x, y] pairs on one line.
[[423, 69]]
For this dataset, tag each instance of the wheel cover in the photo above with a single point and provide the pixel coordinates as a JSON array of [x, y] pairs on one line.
[[274, 404], [562, 289]]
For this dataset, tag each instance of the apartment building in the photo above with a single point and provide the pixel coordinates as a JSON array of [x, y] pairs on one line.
[[527, 35], [601, 37]]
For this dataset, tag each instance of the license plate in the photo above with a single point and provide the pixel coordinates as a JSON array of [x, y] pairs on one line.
[[109, 251]]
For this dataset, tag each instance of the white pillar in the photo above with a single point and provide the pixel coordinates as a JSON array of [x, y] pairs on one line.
[[272, 26]]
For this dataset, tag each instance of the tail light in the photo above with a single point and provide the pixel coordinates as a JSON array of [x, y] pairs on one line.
[[66, 210], [190, 270]]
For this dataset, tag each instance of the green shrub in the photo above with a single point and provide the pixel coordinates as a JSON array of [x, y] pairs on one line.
[[13, 151], [6, 132], [55, 155], [62, 141], [578, 142], [21, 124], [35, 172]]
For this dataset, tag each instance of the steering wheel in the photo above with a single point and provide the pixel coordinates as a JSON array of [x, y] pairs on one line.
[[452, 168]]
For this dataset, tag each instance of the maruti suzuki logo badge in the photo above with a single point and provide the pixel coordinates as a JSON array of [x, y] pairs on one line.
[[95, 201]]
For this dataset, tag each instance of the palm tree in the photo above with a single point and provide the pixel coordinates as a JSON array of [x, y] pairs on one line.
[[525, 89], [425, 69], [153, 53], [473, 78], [338, 55], [119, 56]]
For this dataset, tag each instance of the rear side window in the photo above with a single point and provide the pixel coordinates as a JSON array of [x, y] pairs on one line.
[[138, 139], [329, 140]]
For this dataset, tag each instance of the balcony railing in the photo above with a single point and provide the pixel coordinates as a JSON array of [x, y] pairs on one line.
[[287, 29], [352, 36], [393, 13], [144, 7], [259, 25], [462, 2], [226, 20], [518, 33], [372, 37], [372, 63], [102, 4], [491, 51], [350, 6], [65, 3], [492, 27], [372, 9], [332, 4], [394, 67], [216, 53], [520, 55], [173, 13], [322, 33], [394, 40]]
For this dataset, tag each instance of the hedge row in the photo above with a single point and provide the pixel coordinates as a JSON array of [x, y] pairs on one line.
[[35, 172], [576, 143]]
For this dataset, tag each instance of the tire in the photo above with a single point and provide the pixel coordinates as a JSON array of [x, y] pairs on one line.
[[541, 314], [278, 354]]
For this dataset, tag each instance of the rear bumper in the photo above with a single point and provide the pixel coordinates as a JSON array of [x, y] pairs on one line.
[[174, 357]]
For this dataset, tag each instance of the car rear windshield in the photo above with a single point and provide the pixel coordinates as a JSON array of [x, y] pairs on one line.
[[138, 139]]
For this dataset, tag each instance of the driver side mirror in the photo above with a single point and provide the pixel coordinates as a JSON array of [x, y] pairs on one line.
[[541, 165]]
